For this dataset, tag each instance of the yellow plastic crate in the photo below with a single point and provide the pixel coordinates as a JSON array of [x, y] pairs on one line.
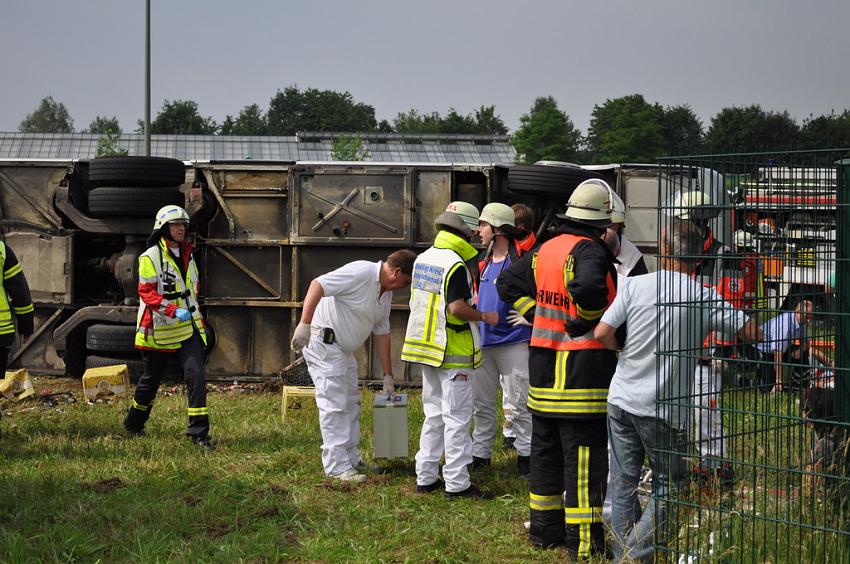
[[106, 382]]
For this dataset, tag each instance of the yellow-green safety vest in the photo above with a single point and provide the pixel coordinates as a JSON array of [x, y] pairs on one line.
[[7, 325], [156, 265], [434, 336]]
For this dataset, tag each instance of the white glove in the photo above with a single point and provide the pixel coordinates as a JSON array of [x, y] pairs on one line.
[[300, 337], [516, 319], [389, 386]]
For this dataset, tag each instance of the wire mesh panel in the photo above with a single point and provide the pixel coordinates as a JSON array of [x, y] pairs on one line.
[[752, 341]]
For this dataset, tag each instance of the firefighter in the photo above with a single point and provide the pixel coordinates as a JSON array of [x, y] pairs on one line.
[[169, 324], [15, 304], [442, 338], [563, 289], [504, 346], [341, 310]]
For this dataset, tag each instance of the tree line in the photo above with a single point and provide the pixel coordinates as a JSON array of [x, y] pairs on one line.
[[624, 129]]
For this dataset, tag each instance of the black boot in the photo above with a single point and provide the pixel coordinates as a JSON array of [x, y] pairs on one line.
[[478, 462], [523, 464], [134, 422]]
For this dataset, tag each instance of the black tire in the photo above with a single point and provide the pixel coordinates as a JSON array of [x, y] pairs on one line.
[[545, 180], [111, 338], [136, 171], [135, 367], [132, 202]]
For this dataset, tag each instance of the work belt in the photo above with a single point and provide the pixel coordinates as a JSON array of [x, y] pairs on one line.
[[326, 334], [174, 295]]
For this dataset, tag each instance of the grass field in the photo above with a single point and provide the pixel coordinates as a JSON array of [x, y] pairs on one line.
[[74, 488]]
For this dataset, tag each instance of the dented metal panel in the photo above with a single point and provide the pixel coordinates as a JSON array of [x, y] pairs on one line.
[[47, 264]]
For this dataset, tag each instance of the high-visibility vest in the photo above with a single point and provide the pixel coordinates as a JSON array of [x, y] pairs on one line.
[[743, 287], [434, 336], [157, 265], [6, 324], [553, 271]]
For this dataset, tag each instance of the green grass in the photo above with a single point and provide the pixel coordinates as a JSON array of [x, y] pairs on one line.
[[74, 488]]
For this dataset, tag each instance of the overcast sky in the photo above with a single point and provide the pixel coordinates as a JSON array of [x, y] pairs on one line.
[[429, 55]]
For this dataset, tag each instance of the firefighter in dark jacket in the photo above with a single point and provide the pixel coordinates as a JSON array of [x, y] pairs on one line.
[[169, 324], [563, 289], [15, 304]]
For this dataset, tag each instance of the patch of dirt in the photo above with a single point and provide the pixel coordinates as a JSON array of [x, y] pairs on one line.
[[107, 485], [268, 512], [337, 486], [189, 499], [379, 479], [218, 530]]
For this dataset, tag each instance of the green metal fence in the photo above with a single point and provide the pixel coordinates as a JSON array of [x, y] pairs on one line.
[[765, 466]]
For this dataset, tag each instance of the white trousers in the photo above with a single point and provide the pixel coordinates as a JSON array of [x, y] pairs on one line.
[[447, 403], [507, 407], [334, 372], [511, 362], [709, 420]]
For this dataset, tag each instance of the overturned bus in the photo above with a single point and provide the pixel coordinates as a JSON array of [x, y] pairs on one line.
[[263, 231]]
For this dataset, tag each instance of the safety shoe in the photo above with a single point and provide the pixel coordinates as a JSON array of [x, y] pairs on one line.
[[523, 464], [508, 443], [205, 443], [351, 475], [472, 492], [478, 462], [438, 485]]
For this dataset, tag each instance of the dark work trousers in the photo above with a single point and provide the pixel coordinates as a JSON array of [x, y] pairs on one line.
[[191, 358], [569, 462]]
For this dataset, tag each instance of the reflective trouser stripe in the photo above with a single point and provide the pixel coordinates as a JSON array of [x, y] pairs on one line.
[[583, 498], [579, 515], [140, 407], [196, 411], [545, 502], [567, 407], [25, 309]]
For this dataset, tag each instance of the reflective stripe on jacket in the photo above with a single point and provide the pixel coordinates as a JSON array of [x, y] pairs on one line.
[[162, 290], [554, 268], [434, 336]]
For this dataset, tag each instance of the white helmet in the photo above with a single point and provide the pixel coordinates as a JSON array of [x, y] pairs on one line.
[[467, 212], [498, 215], [168, 214], [591, 203], [693, 204], [744, 240], [619, 213], [461, 216]]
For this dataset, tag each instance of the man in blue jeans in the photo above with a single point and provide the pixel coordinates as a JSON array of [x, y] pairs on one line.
[[657, 365]]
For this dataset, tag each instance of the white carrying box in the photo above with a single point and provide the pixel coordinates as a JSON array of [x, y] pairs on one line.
[[389, 423]]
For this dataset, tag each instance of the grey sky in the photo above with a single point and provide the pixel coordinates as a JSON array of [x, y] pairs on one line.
[[88, 54]]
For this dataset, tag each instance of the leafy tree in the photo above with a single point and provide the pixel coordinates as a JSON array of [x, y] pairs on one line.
[[483, 121], [626, 129], [682, 130], [292, 111], [49, 117], [103, 124], [827, 131], [250, 121], [488, 123], [546, 133], [739, 129], [107, 146], [180, 117], [349, 148]]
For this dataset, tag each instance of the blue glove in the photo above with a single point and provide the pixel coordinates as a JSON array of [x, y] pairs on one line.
[[183, 314]]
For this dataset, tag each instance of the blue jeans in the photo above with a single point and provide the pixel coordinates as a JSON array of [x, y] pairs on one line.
[[634, 532]]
